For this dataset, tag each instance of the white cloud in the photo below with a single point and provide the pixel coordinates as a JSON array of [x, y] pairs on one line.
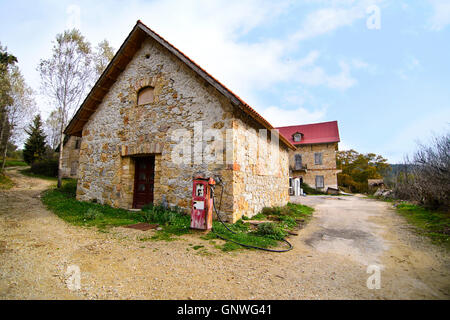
[[280, 117], [325, 20], [441, 14], [213, 34], [339, 13], [410, 65]]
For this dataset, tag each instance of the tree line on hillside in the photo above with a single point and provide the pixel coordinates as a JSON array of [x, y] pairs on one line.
[[66, 77], [357, 169], [423, 178]]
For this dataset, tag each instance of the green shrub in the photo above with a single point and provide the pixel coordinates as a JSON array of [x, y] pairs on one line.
[[288, 221], [5, 182], [271, 230], [290, 210], [271, 211], [69, 188], [158, 214], [310, 190], [92, 214], [172, 220], [47, 168]]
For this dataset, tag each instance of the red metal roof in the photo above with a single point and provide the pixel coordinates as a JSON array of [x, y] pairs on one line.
[[324, 132]]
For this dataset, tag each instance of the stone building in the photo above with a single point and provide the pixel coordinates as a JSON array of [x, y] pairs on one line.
[[155, 119], [314, 160], [71, 155]]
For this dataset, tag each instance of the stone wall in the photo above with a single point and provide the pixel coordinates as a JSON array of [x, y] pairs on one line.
[[120, 130], [71, 155], [261, 174], [327, 169]]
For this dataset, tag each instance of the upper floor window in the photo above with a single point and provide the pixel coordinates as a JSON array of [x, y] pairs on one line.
[[297, 137], [318, 158], [77, 144], [298, 161], [145, 96]]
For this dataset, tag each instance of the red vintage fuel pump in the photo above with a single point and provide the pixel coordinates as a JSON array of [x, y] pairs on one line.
[[202, 203]]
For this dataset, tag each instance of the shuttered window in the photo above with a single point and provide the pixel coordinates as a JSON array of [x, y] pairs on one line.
[[298, 161], [319, 182], [318, 158]]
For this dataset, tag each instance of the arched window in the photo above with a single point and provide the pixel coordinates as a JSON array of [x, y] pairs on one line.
[[145, 96], [297, 137]]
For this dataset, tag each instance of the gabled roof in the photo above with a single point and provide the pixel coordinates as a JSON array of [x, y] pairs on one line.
[[118, 64], [324, 132]]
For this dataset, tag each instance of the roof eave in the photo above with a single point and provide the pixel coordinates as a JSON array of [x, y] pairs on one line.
[[71, 128]]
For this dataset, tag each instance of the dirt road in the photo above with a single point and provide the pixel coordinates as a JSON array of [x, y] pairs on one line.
[[38, 253]]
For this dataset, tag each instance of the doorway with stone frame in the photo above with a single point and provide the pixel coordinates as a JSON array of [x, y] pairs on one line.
[[144, 180]]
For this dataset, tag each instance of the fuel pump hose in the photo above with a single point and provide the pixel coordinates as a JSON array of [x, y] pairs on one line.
[[241, 244]]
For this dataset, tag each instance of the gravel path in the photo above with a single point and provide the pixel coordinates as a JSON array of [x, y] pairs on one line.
[[328, 262]]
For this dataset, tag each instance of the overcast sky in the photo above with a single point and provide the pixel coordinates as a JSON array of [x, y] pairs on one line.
[[380, 68]]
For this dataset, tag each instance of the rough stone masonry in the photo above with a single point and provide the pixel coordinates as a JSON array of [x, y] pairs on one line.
[[120, 130]]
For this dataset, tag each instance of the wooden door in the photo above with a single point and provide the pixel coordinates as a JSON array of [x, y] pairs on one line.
[[143, 181]]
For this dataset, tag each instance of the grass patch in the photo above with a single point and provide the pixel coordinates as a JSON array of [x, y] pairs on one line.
[[173, 222], [27, 172], [433, 224], [286, 213], [15, 163], [62, 202], [267, 234], [371, 196], [5, 182], [243, 235]]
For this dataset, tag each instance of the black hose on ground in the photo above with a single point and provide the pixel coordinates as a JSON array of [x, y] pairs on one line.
[[241, 244]]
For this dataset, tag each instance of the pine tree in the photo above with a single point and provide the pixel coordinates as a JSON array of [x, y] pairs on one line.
[[35, 146]]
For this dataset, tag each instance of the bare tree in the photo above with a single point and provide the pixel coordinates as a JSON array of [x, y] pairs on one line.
[[64, 78], [102, 56], [52, 125], [426, 176], [432, 172]]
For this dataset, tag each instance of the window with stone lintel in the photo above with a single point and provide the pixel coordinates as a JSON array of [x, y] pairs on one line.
[[145, 95]]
